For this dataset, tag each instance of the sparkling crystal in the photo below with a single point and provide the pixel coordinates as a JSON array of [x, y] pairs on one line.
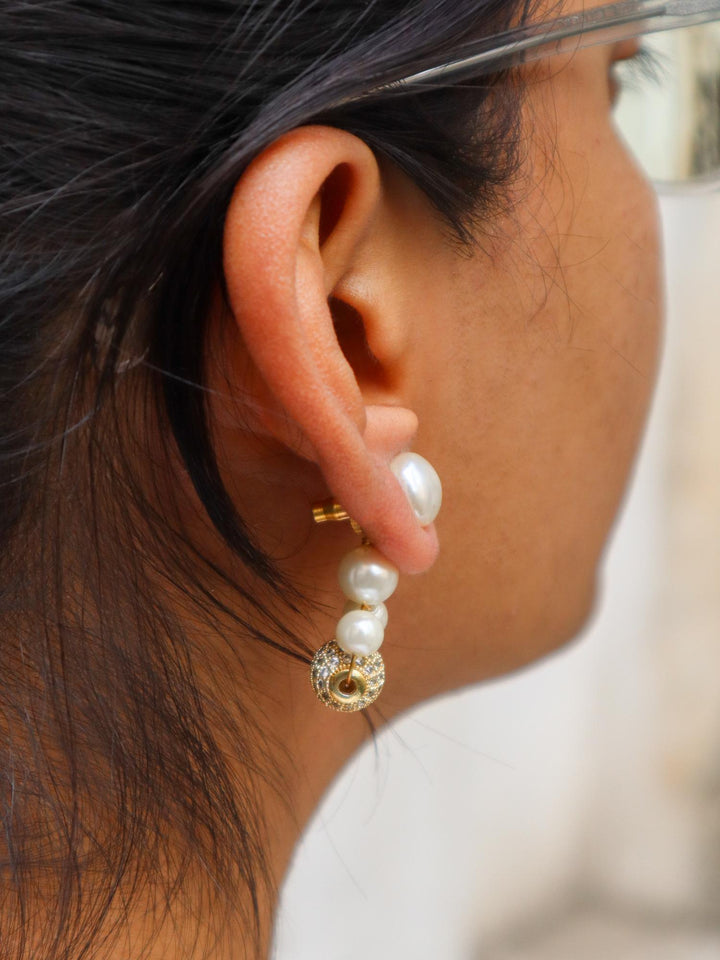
[[328, 660]]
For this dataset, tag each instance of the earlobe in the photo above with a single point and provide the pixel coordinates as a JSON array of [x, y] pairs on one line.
[[294, 227]]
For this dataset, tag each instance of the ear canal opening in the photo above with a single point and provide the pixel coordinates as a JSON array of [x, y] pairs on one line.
[[351, 335]]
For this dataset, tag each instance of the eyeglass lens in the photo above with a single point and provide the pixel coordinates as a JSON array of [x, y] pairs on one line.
[[669, 106]]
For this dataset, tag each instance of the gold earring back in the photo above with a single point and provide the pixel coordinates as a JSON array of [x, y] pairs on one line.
[[329, 511]]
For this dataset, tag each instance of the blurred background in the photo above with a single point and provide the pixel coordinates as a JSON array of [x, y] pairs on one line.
[[570, 812]]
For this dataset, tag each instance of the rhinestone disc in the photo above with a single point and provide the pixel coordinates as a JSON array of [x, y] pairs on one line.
[[329, 675]]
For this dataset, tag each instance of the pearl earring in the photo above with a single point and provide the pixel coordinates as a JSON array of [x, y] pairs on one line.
[[348, 673]]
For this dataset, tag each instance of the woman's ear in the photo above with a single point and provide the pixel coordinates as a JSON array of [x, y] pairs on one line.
[[317, 328]]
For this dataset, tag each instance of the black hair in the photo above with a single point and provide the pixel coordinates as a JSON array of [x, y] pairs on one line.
[[125, 127]]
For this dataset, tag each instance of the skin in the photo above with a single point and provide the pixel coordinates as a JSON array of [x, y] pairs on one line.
[[522, 370]]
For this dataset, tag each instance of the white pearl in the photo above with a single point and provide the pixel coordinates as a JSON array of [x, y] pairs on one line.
[[366, 576], [420, 481], [379, 610], [359, 633]]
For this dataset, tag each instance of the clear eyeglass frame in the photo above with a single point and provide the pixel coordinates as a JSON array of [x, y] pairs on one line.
[[600, 25]]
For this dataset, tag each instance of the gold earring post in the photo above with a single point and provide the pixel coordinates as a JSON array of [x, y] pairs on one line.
[[349, 683]]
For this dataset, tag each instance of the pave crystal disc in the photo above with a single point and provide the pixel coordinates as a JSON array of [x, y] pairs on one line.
[[329, 674]]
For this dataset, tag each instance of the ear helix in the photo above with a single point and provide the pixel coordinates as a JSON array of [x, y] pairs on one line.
[[348, 673]]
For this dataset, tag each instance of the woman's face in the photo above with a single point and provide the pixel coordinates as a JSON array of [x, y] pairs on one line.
[[531, 374]]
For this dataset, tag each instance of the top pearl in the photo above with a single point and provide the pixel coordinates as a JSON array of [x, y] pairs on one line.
[[420, 481]]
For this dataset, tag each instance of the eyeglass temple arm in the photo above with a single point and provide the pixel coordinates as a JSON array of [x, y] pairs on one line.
[[599, 25]]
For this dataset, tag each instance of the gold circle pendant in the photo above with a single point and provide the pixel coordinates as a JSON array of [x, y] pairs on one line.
[[340, 688]]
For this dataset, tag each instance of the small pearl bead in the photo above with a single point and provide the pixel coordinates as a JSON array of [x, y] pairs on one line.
[[420, 481], [379, 610], [360, 633], [366, 576]]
